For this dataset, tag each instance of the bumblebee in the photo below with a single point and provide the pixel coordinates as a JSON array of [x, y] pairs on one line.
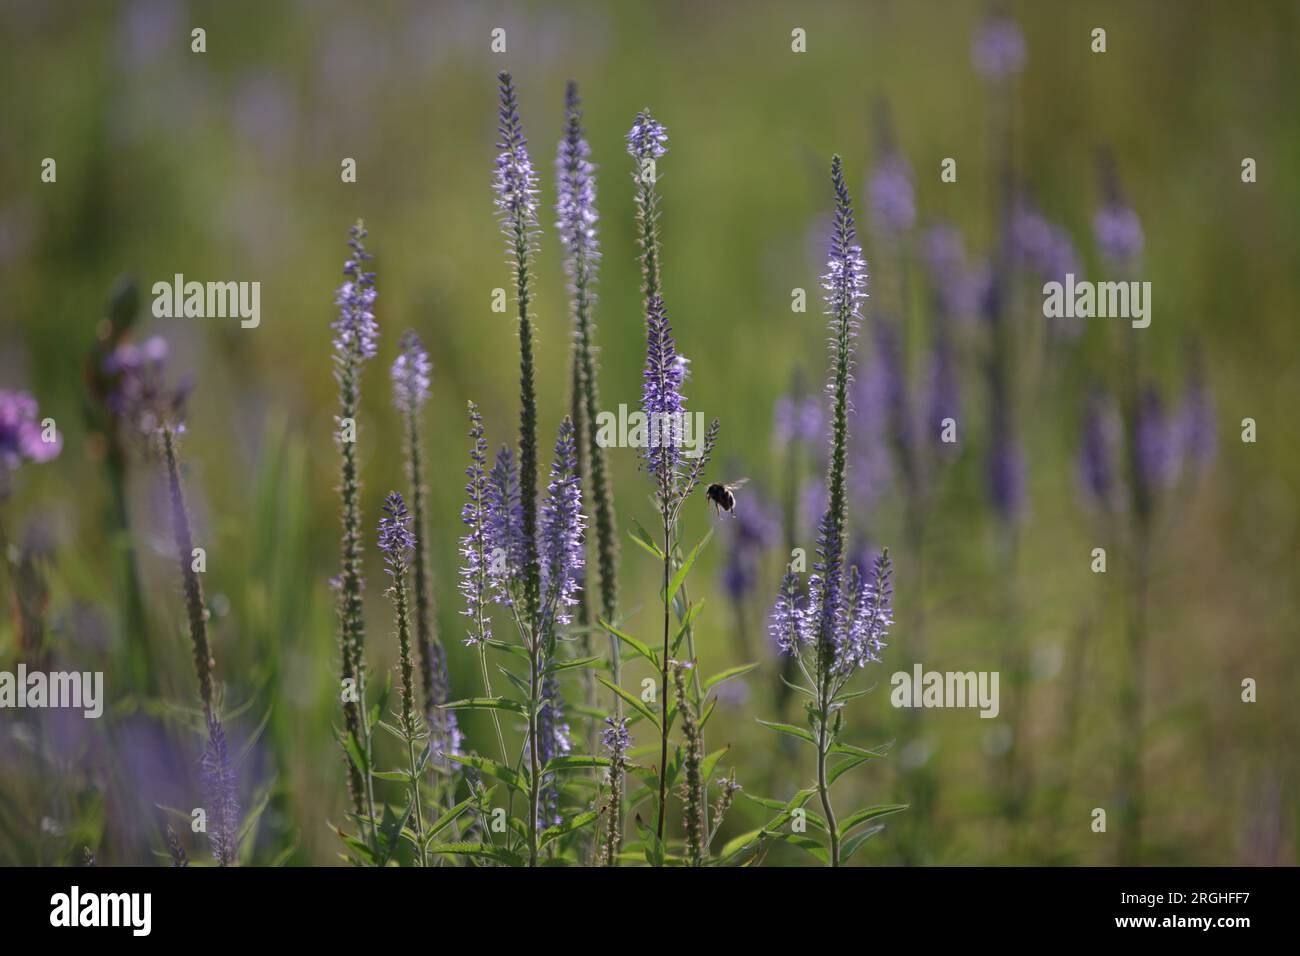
[[724, 496]]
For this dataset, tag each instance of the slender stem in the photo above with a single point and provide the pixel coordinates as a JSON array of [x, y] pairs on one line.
[[415, 782], [534, 781], [823, 788], [663, 682]]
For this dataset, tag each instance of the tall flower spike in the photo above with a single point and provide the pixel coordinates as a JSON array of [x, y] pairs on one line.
[[195, 608], [355, 334], [576, 223], [515, 184], [661, 399], [505, 525], [221, 795], [475, 547], [563, 555], [870, 617], [615, 739], [396, 540], [355, 329], [845, 284], [412, 373]]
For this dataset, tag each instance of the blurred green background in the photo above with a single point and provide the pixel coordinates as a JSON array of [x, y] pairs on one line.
[[225, 166]]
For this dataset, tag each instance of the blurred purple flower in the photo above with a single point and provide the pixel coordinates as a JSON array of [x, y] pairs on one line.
[[21, 433], [137, 389], [1197, 423], [798, 419], [1118, 232], [1158, 451], [754, 529], [411, 374], [892, 197], [1098, 450], [998, 48]]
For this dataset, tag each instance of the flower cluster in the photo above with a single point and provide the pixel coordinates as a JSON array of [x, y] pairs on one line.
[[562, 555], [396, 539], [21, 436], [475, 548], [411, 373], [355, 329]]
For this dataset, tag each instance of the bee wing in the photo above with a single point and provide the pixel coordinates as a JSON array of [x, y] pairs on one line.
[[738, 483]]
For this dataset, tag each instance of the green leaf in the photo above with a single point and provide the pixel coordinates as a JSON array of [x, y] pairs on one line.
[[558, 666], [401, 776], [728, 674], [632, 699], [851, 845], [870, 813], [566, 826], [485, 703], [355, 752], [737, 844], [382, 702], [676, 583], [805, 843], [641, 648], [852, 751], [654, 849], [791, 730], [576, 762], [448, 818], [686, 623], [498, 853], [500, 771], [515, 649], [843, 767], [642, 537], [711, 761]]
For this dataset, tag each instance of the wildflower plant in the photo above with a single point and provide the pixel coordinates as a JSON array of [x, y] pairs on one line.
[[836, 625], [355, 335], [411, 374]]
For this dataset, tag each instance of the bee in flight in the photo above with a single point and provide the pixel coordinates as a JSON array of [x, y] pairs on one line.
[[724, 496]]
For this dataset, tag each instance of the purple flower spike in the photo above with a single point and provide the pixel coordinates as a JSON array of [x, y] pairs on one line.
[[515, 182], [396, 539], [661, 399], [1099, 448], [870, 616], [563, 556], [1196, 416], [411, 373], [475, 547], [20, 432], [355, 330], [505, 523], [138, 393], [893, 202], [575, 206], [647, 139], [788, 622], [1158, 450], [845, 281], [998, 48]]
